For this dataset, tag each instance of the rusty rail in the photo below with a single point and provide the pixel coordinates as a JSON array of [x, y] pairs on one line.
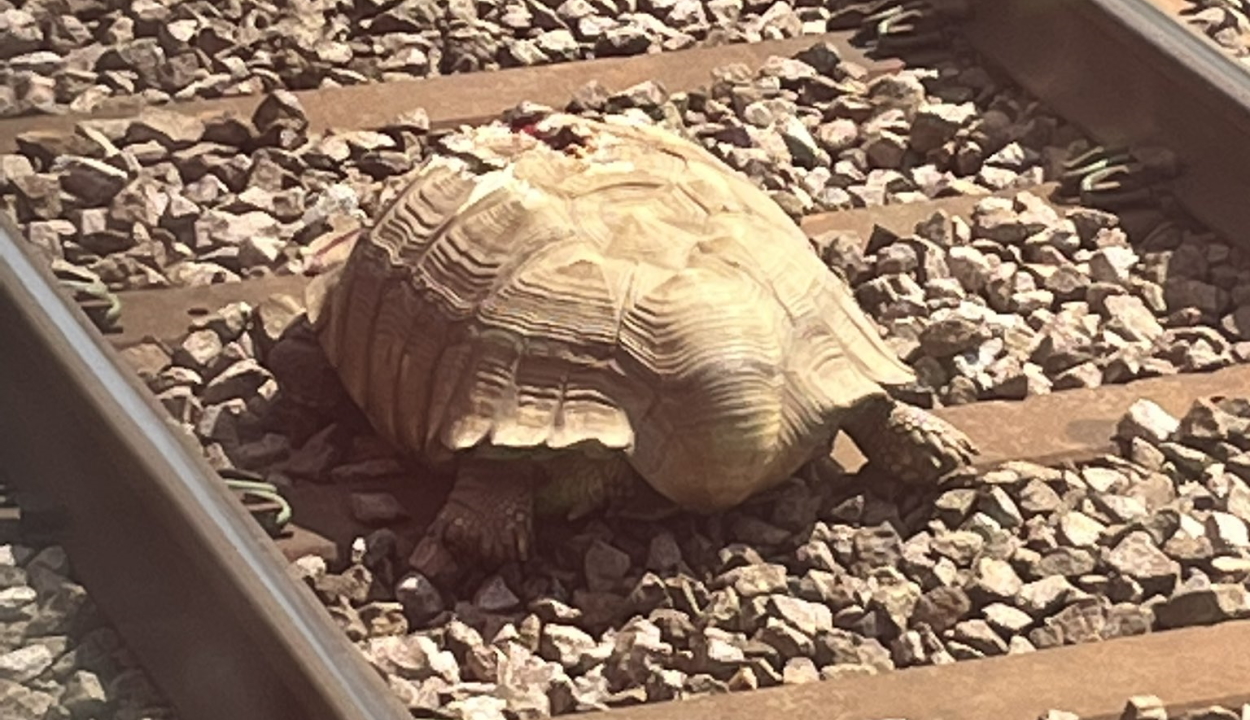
[[475, 98], [1187, 669]]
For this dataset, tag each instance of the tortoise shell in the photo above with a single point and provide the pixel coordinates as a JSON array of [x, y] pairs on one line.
[[605, 287]]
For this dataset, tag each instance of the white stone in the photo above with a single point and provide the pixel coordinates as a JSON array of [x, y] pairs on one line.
[[1227, 532], [1147, 420], [25, 663], [1081, 530]]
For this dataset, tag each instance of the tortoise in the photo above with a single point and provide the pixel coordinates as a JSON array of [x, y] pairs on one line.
[[584, 303]]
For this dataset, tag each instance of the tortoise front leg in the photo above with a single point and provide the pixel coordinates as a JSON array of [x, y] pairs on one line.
[[908, 442], [488, 517]]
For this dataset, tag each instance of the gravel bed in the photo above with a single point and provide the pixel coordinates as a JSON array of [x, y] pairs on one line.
[[170, 200], [1020, 299], [828, 576], [826, 580], [1014, 300], [1227, 22], [78, 55], [59, 658]]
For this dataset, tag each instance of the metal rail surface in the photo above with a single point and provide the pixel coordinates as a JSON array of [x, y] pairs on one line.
[[1129, 74], [177, 564]]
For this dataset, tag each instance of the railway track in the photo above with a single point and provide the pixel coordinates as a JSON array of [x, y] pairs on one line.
[[122, 457]]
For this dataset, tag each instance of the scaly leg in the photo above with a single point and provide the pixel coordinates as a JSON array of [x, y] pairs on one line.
[[488, 517], [914, 445], [578, 484]]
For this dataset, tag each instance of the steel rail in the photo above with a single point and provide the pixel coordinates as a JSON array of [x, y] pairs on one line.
[[192, 583], [1128, 73]]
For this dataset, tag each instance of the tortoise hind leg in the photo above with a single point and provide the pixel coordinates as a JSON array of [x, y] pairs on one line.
[[579, 485], [488, 517], [914, 445]]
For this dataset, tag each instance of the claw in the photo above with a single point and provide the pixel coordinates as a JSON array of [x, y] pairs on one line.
[[462, 530]]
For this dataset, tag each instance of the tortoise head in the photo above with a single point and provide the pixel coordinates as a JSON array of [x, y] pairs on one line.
[[297, 361], [324, 263], [310, 392]]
